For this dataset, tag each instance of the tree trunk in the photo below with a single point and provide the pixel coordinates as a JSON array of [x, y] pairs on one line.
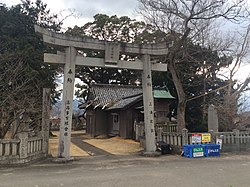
[[3, 123], [181, 97]]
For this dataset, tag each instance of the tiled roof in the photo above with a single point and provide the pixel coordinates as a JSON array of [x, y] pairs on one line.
[[115, 96], [162, 94], [110, 96], [125, 102]]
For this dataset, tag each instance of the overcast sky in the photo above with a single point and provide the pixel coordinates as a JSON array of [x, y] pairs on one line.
[[86, 9]]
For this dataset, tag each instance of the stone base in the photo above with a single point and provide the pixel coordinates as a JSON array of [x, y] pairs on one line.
[[151, 154], [62, 160], [13, 160]]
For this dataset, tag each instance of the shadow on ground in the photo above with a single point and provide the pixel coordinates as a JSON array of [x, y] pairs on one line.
[[83, 145]]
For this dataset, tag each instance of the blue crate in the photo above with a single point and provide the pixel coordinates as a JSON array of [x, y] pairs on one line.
[[187, 151], [211, 150], [193, 151]]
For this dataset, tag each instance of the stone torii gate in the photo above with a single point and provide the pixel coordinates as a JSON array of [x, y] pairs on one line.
[[112, 51]]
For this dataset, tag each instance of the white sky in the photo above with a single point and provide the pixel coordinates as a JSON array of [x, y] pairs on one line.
[[86, 9]]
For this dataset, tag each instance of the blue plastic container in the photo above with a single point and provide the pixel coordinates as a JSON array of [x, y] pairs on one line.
[[211, 150], [193, 151]]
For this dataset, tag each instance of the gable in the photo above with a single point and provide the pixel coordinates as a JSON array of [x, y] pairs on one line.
[[162, 94]]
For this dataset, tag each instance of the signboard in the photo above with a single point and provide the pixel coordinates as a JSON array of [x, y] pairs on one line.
[[219, 142], [206, 138], [198, 152], [112, 51], [196, 138]]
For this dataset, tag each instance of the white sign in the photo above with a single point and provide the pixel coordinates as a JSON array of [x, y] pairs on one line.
[[198, 154], [196, 138], [219, 142]]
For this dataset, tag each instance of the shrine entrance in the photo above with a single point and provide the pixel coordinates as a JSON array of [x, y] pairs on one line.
[[112, 50]]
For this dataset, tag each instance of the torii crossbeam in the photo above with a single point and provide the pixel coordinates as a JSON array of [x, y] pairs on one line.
[[112, 51]]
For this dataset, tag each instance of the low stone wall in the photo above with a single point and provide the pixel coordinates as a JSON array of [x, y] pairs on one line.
[[234, 141], [231, 141], [165, 127], [235, 147], [23, 149], [9, 150]]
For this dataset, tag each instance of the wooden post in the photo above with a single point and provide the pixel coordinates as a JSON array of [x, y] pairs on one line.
[[45, 120], [67, 104], [148, 103]]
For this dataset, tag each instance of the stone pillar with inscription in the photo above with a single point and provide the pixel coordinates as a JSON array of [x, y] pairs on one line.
[[212, 119], [67, 104], [148, 103], [45, 120]]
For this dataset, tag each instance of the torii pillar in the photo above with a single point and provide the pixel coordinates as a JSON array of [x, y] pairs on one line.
[[148, 103], [112, 51], [67, 104]]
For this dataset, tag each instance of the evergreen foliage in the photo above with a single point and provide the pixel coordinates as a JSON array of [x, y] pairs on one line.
[[23, 74]]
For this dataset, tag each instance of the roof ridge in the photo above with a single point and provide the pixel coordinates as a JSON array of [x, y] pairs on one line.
[[130, 96], [115, 85]]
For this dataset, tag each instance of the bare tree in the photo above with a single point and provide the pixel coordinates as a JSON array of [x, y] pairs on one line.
[[185, 21], [239, 53], [18, 95]]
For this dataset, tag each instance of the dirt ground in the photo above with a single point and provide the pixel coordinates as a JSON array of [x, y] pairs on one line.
[[74, 150], [115, 145]]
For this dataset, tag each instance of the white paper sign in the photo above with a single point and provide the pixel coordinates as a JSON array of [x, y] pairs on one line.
[[219, 142]]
